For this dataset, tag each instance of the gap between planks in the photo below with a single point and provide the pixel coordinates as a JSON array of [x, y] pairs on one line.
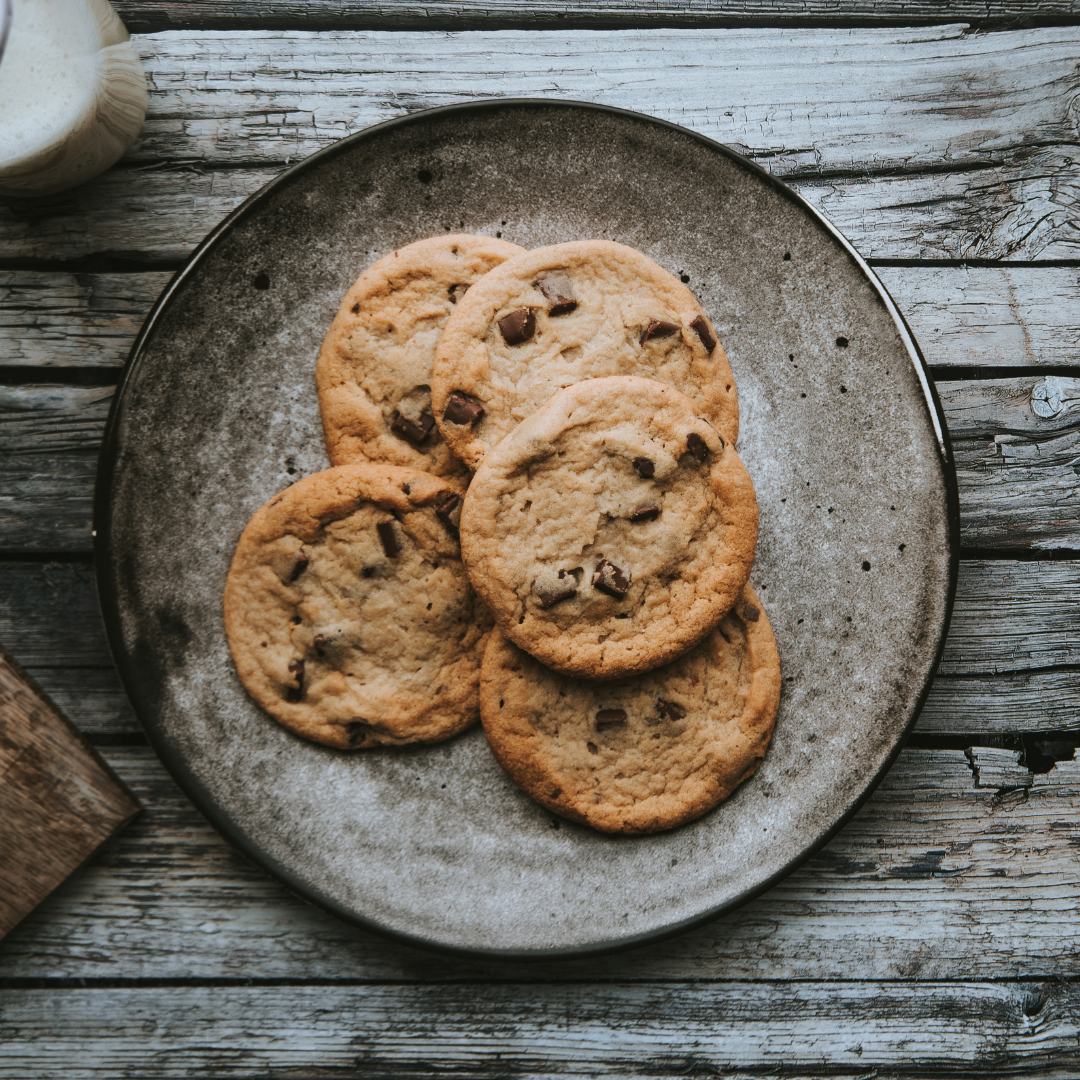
[[150, 15]]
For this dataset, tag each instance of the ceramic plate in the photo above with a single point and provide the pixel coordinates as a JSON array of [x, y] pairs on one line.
[[856, 561]]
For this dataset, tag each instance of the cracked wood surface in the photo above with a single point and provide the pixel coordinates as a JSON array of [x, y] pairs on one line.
[[934, 878], [962, 316], [153, 216], [842, 103], [962, 871], [605, 14], [649, 1031], [1011, 662], [939, 145], [1018, 471]]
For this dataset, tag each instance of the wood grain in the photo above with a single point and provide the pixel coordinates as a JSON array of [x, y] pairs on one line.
[[600, 14], [962, 316], [58, 800], [648, 1031], [934, 878], [1009, 212], [940, 146], [1011, 663], [73, 320], [1016, 470], [815, 103]]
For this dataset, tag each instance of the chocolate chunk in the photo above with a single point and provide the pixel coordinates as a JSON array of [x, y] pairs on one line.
[[461, 409], [356, 731], [669, 710], [645, 468], [697, 446], [517, 327], [296, 693], [558, 293], [449, 513], [456, 292], [648, 512], [356, 309], [388, 535], [658, 328], [301, 565], [611, 579], [708, 338], [321, 641], [414, 431], [751, 613], [296, 620], [610, 718], [549, 597]]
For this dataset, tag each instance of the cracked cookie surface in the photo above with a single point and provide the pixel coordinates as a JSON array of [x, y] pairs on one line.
[[558, 315], [645, 753], [374, 368], [348, 611], [611, 530]]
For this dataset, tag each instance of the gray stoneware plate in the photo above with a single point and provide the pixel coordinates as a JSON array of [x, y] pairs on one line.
[[856, 561]]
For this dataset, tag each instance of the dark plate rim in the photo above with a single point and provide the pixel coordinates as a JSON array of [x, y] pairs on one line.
[[175, 762]]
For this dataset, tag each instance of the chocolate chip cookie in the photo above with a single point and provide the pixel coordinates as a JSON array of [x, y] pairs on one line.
[[374, 369], [558, 315], [611, 530], [640, 754], [348, 611]]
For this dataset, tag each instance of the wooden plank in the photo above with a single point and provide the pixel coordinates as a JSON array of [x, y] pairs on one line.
[[1011, 664], [996, 109], [1000, 213], [49, 442], [998, 703], [1016, 468], [934, 878], [1017, 213], [600, 14], [990, 316], [842, 102], [1017, 445], [573, 1031], [963, 316], [73, 320], [58, 800]]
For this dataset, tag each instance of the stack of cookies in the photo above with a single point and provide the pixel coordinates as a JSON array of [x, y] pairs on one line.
[[585, 593]]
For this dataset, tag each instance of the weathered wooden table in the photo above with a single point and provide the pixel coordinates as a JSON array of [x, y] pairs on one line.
[[938, 934]]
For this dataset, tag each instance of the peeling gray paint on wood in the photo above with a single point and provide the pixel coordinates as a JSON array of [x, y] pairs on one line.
[[934, 878], [961, 316], [1011, 659]]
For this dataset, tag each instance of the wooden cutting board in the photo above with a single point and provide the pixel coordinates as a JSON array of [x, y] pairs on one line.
[[58, 800]]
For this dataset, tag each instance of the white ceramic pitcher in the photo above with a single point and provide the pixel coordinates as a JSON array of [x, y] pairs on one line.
[[72, 93]]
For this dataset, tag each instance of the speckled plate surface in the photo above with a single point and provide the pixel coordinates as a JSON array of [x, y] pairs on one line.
[[856, 561]]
